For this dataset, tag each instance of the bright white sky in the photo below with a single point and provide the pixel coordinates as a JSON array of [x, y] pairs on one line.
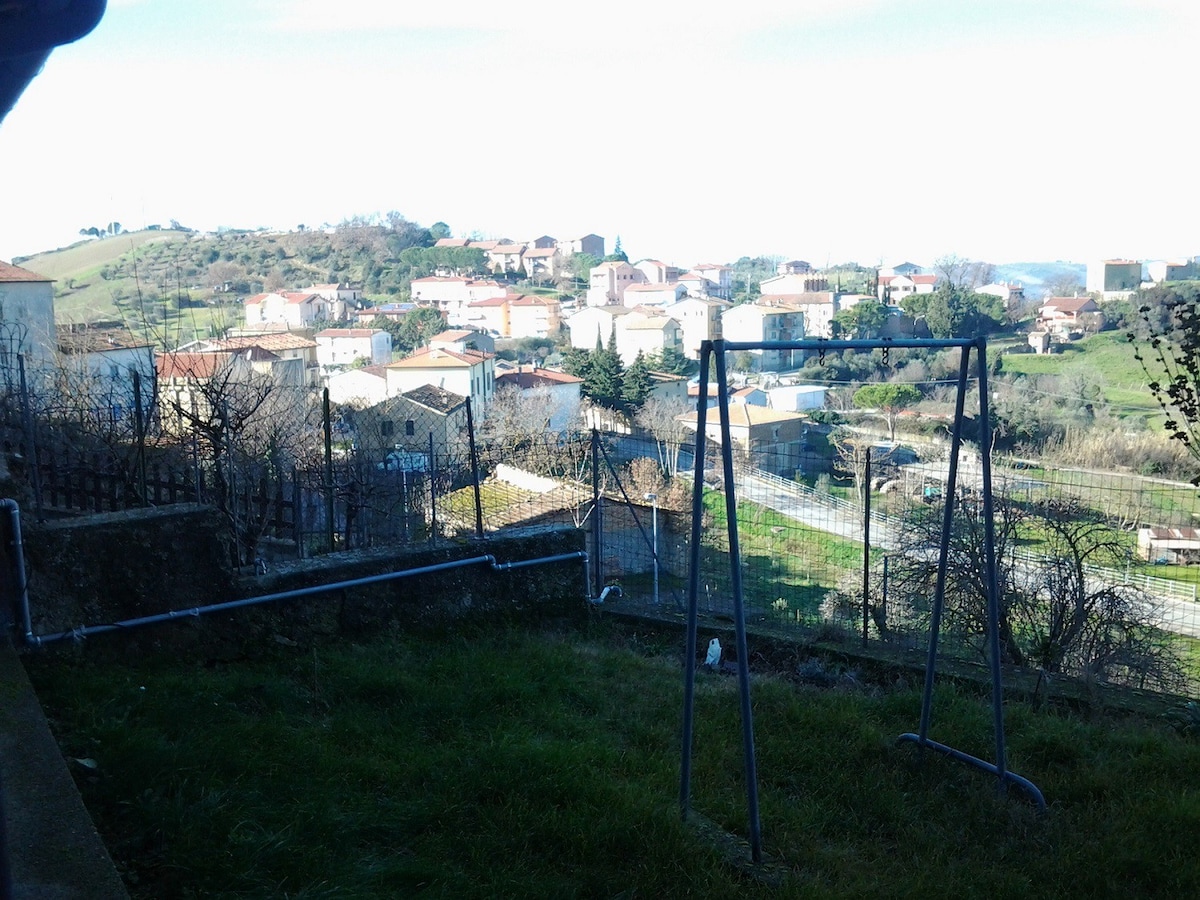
[[828, 130]]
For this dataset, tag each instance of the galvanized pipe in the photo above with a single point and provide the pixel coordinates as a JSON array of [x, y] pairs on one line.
[[87, 630]]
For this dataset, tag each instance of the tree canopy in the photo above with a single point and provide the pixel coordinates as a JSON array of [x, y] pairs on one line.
[[953, 311], [888, 400], [1167, 346], [863, 320]]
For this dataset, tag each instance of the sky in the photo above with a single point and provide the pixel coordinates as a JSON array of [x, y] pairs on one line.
[[826, 130]]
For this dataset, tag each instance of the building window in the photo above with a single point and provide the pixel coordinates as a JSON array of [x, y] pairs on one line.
[[385, 427], [410, 428]]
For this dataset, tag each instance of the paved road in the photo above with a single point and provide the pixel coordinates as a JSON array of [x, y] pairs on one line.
[[1173, 614]]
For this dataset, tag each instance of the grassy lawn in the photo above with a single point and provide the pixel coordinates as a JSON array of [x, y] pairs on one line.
[[516, 764], [1106, 359]]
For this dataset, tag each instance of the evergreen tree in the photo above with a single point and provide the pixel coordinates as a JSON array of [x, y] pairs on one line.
[[604, 382], [636, 385]]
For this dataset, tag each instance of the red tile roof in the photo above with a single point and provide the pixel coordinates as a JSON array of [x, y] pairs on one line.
[[189, 365], [10, 273]]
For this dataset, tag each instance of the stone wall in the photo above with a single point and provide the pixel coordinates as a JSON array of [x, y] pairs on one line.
[[106, 568]]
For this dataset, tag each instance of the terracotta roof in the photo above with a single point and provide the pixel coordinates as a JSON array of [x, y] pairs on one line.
[[645, 288], [284, 340], [348, 332], [1067, 304], [490, 301], [508, 249], [532, 300], [526, 378], [441, 359], [451, 242], [456, 334], [189, 365], [648, 323], [9, 273], [923, 279], [541, 251]]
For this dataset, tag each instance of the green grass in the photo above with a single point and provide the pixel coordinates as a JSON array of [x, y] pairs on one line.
[[781, 558], [513, 764], [1106, 359]]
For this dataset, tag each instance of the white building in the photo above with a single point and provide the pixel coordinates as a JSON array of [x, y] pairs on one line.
[[468, 373], [339, 348], [26, 316]]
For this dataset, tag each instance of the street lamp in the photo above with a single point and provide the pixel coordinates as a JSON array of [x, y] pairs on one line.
[[653, 498]]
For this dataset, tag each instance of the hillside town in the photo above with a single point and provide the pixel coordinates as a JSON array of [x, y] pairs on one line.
[[504, 317]]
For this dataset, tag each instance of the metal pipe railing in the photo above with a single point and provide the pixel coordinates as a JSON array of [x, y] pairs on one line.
[[83, 631]]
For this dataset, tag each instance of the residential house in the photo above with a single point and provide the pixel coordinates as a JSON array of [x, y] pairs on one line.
[[654, 294], [451, 295], [793, 267], [656, 272], [293, 310], [339, 348], [751, 394], [358, 387], [490, 315], [892, 289], [26, 318], [1012, 293], [340, 297], [646, 331], [460, 339], [797, 397], [103, 365], [288, 358], [391, 311], [767, 439], [451, 242], [699, 320], [1160, 270], [505, 258], [591, 244], [1114, 279], [406, 422], [817, 307], [794, 283], [545, 242], [181, 379], [756, 322], [543, 263], [668, 386], [1180, 546], [608, 280], [718, 275], [531, 316], [1061, 316], [594, 324], [557, 394], [902, 268], [468, 373], [697, 285]]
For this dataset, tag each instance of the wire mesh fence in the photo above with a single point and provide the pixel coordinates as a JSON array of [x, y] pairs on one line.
[[840, 524]]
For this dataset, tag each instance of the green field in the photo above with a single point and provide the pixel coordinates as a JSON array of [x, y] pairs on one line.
[[512, 764], [1105, 359]]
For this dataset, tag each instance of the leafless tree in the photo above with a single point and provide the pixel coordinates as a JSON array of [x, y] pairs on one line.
[[660, 417], [1056, 613]]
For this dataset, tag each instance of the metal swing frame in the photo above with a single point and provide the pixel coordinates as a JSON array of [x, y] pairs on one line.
[[718, 349]]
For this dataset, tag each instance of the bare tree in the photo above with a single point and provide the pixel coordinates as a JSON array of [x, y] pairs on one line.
[[243, 425], [964, 273], [1057, 613], [661, 418]]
